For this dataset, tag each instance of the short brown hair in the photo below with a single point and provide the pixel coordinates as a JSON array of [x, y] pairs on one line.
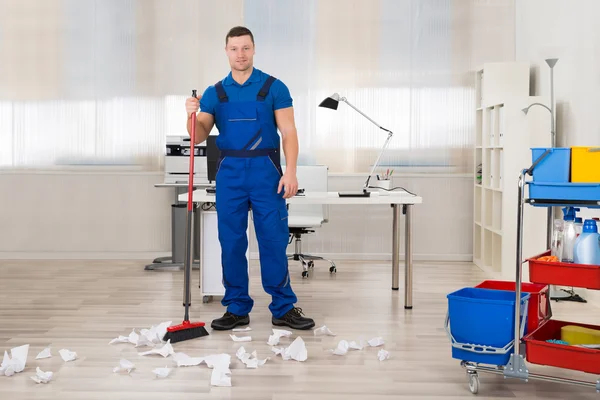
[[239, 31]]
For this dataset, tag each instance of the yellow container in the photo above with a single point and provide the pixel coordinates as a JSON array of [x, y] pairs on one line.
[[575, 335], [585, 164]]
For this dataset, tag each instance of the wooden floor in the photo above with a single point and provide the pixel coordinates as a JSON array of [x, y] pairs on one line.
[[81, 306]]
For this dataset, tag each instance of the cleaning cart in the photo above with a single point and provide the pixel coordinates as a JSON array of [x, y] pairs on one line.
[[534, 341]]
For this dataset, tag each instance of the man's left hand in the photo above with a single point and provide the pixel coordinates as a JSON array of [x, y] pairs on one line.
[[289, 183]]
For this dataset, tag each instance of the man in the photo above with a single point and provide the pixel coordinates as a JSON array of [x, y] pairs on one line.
[[248, 107]]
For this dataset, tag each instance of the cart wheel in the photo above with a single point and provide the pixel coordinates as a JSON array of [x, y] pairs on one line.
[[332, 270], [206, 299], [304, 274], [311, 264], [473, 383]]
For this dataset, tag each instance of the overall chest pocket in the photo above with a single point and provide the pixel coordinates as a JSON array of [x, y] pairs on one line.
[[242, 113]]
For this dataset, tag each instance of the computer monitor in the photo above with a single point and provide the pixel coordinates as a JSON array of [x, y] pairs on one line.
[[212, 157]]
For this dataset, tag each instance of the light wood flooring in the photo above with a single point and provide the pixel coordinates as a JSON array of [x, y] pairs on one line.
[[82, 305]]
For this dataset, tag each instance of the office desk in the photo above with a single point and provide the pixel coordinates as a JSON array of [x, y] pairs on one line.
[[394, 200]]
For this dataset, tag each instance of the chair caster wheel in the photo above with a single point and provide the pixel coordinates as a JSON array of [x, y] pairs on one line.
[[311, 264], [206, 299], [304, 274], [332, 270]]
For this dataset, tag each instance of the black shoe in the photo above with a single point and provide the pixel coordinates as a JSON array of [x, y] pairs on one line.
[[294, 319], [229, 321]]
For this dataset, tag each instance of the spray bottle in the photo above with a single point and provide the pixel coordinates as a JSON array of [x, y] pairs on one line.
[[569, 234]]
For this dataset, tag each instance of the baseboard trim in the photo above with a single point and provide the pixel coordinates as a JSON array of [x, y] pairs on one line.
[[82, 255], [388, 257], [151, 255]]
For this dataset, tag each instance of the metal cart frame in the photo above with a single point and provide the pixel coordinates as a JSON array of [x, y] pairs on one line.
[[516, 367]]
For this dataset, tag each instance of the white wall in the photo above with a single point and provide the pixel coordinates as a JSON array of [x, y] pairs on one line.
[[567, 30], [116, 215]]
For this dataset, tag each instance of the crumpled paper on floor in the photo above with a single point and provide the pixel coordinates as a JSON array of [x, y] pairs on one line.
[[124, 365], [250, 360], [220, 364], [377, 341], [164, 351], [46, 353], [322, 331], [296, 351], [67, 355], [41, 376], [183, 360], [342, 348], [278, 334], [162, 372], [383, 355], [241, 338], [16, 362]]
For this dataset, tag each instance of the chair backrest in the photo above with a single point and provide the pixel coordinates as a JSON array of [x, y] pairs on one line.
[[311, 178]]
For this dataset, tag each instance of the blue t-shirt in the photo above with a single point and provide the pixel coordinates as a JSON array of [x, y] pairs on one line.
[[278, 97]]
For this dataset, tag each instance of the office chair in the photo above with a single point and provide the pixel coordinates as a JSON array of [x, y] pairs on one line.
[[304, 218]]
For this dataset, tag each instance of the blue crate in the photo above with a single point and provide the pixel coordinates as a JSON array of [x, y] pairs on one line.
[[564, 191], [554, 167], [485, 320]]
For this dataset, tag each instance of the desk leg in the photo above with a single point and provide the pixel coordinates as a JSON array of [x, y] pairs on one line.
[[395, 247], [408, 257]]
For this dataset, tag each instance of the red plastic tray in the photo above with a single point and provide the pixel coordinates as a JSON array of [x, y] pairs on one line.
[[564, 274], [538, 351], [538, 309]]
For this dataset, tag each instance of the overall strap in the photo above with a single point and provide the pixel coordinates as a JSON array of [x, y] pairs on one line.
[[265, 89], [221, 92]]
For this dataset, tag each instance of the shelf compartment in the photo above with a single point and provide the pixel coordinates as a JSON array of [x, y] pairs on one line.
[[477, 243], [539, 351], [564, 274]]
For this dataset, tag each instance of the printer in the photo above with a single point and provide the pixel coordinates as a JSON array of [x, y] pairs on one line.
[[177, 161]]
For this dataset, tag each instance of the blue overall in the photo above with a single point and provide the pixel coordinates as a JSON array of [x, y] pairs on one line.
[[248, 175]]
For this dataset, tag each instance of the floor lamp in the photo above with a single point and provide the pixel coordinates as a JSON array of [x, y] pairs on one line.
[[555, 294]]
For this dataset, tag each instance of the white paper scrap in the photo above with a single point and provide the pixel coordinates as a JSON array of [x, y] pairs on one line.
[[164, 351], [218, 360], [120, 339], [156, 333], [162, 372], [246, 329], [296, 351], [357, 346], [183, 360], [241, 338], [324, 330], [220, 377], [67, 355], [124, 365], [383, 355], [377, 341], [278, 334], [342, 348], [41, 376], [16, 362], [46, 353], [250, 360]]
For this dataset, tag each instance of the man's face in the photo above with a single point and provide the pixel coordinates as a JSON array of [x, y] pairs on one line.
[[240, 52]]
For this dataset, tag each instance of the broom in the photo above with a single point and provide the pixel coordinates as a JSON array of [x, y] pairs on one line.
[[188, 330]]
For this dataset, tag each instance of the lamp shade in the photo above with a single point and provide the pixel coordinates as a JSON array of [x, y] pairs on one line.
[[331, 102]]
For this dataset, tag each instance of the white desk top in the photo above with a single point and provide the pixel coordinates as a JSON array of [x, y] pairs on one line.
[[399, 197]]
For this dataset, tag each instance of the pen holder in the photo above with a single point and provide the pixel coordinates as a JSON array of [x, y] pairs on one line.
[[384, 187]]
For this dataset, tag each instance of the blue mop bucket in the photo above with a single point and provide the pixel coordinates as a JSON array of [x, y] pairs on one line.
[[481, 322], [554, 167]]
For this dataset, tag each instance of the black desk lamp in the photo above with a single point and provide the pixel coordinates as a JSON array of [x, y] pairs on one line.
[[332, 102]]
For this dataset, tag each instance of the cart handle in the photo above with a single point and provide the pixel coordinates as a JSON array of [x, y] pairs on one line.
[[482, 349]]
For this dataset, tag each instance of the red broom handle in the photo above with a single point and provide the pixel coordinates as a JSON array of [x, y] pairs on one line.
[[192, 150]]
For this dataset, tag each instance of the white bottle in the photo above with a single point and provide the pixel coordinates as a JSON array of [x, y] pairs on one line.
[[569, 234], [557, 239]]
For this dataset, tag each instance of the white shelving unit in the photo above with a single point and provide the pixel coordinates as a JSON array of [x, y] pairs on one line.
[[504, 136]]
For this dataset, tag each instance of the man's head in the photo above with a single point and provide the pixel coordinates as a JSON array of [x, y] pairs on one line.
[[239, 46]]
